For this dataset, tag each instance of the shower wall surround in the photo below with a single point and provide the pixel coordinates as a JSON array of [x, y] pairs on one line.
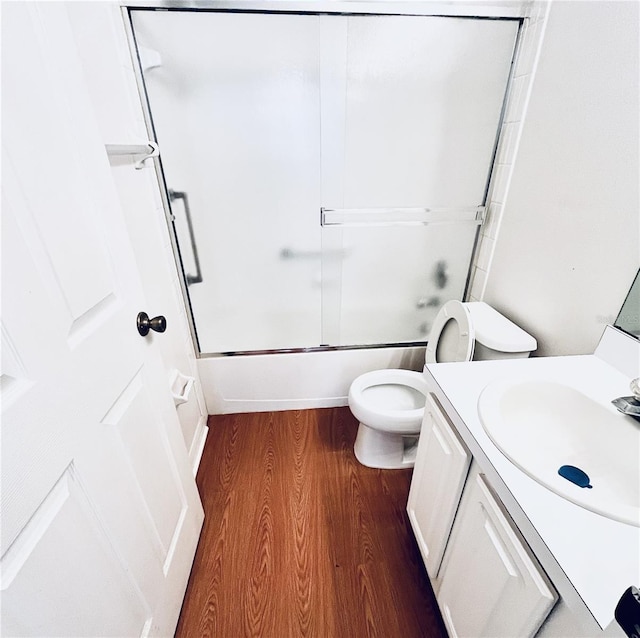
[[387, 124], [525, 64], [321, 379]]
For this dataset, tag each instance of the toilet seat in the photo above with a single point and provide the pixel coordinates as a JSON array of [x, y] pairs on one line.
[[398, 389], [452, 313], [389, 404]]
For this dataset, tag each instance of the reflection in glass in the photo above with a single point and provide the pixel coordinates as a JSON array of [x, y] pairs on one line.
[[629, 317]]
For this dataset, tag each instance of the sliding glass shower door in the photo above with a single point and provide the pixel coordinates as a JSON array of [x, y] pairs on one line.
[[326, 173], [235, 105]]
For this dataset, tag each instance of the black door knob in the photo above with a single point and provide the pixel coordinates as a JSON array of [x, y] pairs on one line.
[[144, 324]]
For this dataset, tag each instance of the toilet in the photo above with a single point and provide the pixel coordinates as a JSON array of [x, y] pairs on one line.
[[389, 404]]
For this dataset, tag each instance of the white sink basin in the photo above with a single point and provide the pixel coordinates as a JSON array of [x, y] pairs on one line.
[[543, 425]]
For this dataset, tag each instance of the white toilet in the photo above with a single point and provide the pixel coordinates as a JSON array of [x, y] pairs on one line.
[[389, 404]]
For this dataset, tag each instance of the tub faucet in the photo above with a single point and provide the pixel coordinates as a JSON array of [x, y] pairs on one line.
[[630, 405]]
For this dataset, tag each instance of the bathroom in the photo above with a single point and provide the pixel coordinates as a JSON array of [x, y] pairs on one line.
[[557, 252]]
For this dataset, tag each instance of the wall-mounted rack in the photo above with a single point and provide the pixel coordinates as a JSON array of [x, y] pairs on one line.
[[147, 150]]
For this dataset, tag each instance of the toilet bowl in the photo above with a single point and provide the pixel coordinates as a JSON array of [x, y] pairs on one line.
[[389, 404]]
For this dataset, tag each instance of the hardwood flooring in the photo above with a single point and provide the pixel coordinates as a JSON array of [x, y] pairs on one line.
[[299, 539]]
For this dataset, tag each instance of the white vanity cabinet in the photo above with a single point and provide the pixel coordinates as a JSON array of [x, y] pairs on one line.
[[442, 463], [486, 581], [511, 536], [489, 583]]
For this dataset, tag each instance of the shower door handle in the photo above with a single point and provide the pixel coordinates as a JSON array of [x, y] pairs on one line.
[[197, 278]]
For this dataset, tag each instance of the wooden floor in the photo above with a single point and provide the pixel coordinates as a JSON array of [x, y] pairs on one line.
[[299, 539]]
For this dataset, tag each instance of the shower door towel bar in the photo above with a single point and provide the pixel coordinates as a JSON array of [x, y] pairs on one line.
[[148, 149], [401, 216], [197, 278]]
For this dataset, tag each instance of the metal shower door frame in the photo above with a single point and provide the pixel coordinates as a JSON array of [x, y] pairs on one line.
[[472, 10]]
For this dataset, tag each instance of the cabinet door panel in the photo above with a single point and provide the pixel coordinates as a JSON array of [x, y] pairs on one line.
[[490, 585], [441, 467]]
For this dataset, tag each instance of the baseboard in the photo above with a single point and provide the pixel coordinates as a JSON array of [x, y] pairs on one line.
[[235, 406]]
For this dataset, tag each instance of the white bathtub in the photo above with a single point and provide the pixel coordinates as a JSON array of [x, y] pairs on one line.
[[293, 381]]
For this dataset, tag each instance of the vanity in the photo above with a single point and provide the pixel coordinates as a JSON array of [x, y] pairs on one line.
[[509, 550]]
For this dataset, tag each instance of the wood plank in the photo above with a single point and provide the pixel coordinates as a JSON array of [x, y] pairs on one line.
[[300, 539]]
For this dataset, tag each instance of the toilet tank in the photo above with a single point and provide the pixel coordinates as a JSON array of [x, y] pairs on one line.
[[496, 336]]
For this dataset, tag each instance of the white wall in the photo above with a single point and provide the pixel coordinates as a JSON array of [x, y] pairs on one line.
[[567, 245]]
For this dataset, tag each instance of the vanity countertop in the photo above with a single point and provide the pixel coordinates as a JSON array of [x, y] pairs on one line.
[[591, 559]]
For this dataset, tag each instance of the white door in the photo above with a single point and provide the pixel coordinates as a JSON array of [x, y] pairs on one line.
[[100, 512]]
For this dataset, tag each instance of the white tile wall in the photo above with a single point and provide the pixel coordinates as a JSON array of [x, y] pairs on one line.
[[526, 58]]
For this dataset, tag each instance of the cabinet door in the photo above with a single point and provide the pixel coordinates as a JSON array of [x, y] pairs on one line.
[[442, 462], [490, 585]]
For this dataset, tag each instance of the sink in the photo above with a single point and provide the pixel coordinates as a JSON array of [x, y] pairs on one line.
[[541, 426]]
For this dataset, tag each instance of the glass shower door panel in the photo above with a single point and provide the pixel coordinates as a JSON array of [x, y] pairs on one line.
[[418, 125], [235, 102], [393, 280], [423, 105]]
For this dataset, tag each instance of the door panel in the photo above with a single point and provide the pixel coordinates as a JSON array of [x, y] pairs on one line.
[[149, 458], [442, 464], [490, 583], [423, 103], [99, 506], [39, 582], [236, 112]]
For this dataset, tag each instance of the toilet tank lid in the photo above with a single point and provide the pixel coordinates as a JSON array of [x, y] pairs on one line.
[[497, 332]]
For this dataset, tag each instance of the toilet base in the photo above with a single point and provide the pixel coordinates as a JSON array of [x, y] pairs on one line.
[[385, 450]]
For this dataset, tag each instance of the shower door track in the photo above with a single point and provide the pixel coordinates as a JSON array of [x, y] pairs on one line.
[[445, 9]]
